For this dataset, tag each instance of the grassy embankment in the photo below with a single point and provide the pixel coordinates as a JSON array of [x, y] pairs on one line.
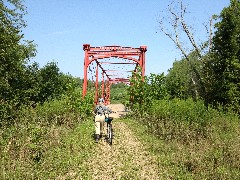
[[189, 141], [48, 142]]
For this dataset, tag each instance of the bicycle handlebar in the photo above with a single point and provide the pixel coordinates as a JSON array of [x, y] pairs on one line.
[[111, 112]]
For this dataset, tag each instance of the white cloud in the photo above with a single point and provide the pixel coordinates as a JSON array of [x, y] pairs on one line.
[[56, 33]]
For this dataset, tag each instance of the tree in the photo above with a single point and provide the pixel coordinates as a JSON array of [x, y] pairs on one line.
[[179, 80], [51, 82], [156, 85], [173, 26], [225, 59], [144, 92], [14, 53], [14, 50], [138, 90]]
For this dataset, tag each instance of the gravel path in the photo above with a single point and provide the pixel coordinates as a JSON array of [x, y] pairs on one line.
[[125, 159]]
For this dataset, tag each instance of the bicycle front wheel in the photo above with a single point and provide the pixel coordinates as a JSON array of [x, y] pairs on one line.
[[110, 134]]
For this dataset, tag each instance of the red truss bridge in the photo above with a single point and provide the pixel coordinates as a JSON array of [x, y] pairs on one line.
[[108, 65]]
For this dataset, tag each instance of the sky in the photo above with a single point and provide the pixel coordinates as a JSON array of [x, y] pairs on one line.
[[61, 27]]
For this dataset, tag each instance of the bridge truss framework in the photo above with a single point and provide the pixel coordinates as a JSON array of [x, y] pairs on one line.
[[135, 57]]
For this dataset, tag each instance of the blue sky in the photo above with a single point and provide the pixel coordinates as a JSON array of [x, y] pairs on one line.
[[61, 27]]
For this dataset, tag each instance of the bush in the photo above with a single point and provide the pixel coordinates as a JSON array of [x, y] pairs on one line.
[[204, 142], [35, 134], [177, 112]]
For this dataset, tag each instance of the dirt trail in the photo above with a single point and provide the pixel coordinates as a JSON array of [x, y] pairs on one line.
[[125, 159], [119, 109]]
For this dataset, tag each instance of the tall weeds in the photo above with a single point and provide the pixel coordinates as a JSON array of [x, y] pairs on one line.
[[27, 144], [198, 142]]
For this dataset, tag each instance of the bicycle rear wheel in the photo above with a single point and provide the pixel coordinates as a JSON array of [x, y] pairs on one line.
[[109, 133]]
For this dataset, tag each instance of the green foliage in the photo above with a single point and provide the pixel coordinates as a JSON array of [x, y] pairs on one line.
[[52, 83], [156, 86], [35, 140], [76, 103], [34, 150], [179, 80], [68, 109], [119, 93], [46, 141], [224, 75], [180, 110], [22, 83], [14, 50], [137, 89], [14, 53], [39, 85], [144, 90], [40, 109], [189, 140]]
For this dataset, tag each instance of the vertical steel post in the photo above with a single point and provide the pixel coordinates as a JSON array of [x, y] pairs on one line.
[[96, 85], [103, 86], [143, 50], [107, 92], [86, 63]]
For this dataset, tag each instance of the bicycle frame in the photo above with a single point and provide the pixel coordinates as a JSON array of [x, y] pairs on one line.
[[109, 129]]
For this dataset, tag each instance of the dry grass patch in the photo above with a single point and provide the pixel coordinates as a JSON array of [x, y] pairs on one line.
[[125, 159]]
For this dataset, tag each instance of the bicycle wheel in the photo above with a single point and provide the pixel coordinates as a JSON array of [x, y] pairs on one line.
[[109, 132]]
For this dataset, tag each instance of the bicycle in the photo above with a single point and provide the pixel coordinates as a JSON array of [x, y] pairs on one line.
[[108, 120]]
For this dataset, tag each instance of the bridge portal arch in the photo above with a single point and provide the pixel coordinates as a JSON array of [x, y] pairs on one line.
[[133, 57]]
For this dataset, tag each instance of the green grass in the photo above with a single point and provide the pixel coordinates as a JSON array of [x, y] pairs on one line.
[[50, 141], [37, 150], [119, 94], [69, 157], [189, 142], [197, 144]]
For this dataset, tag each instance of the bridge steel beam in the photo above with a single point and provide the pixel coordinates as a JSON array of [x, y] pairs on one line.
[[135, 55]]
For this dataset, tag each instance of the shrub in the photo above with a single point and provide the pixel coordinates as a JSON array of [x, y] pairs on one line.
[[204, 142], [27, 142]]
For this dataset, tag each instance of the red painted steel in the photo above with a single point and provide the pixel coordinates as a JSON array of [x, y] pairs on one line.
[[135, 56], [96, 85]]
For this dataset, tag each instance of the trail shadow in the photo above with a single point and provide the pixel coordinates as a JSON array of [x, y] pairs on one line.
[[93, 135], [104, 136]]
